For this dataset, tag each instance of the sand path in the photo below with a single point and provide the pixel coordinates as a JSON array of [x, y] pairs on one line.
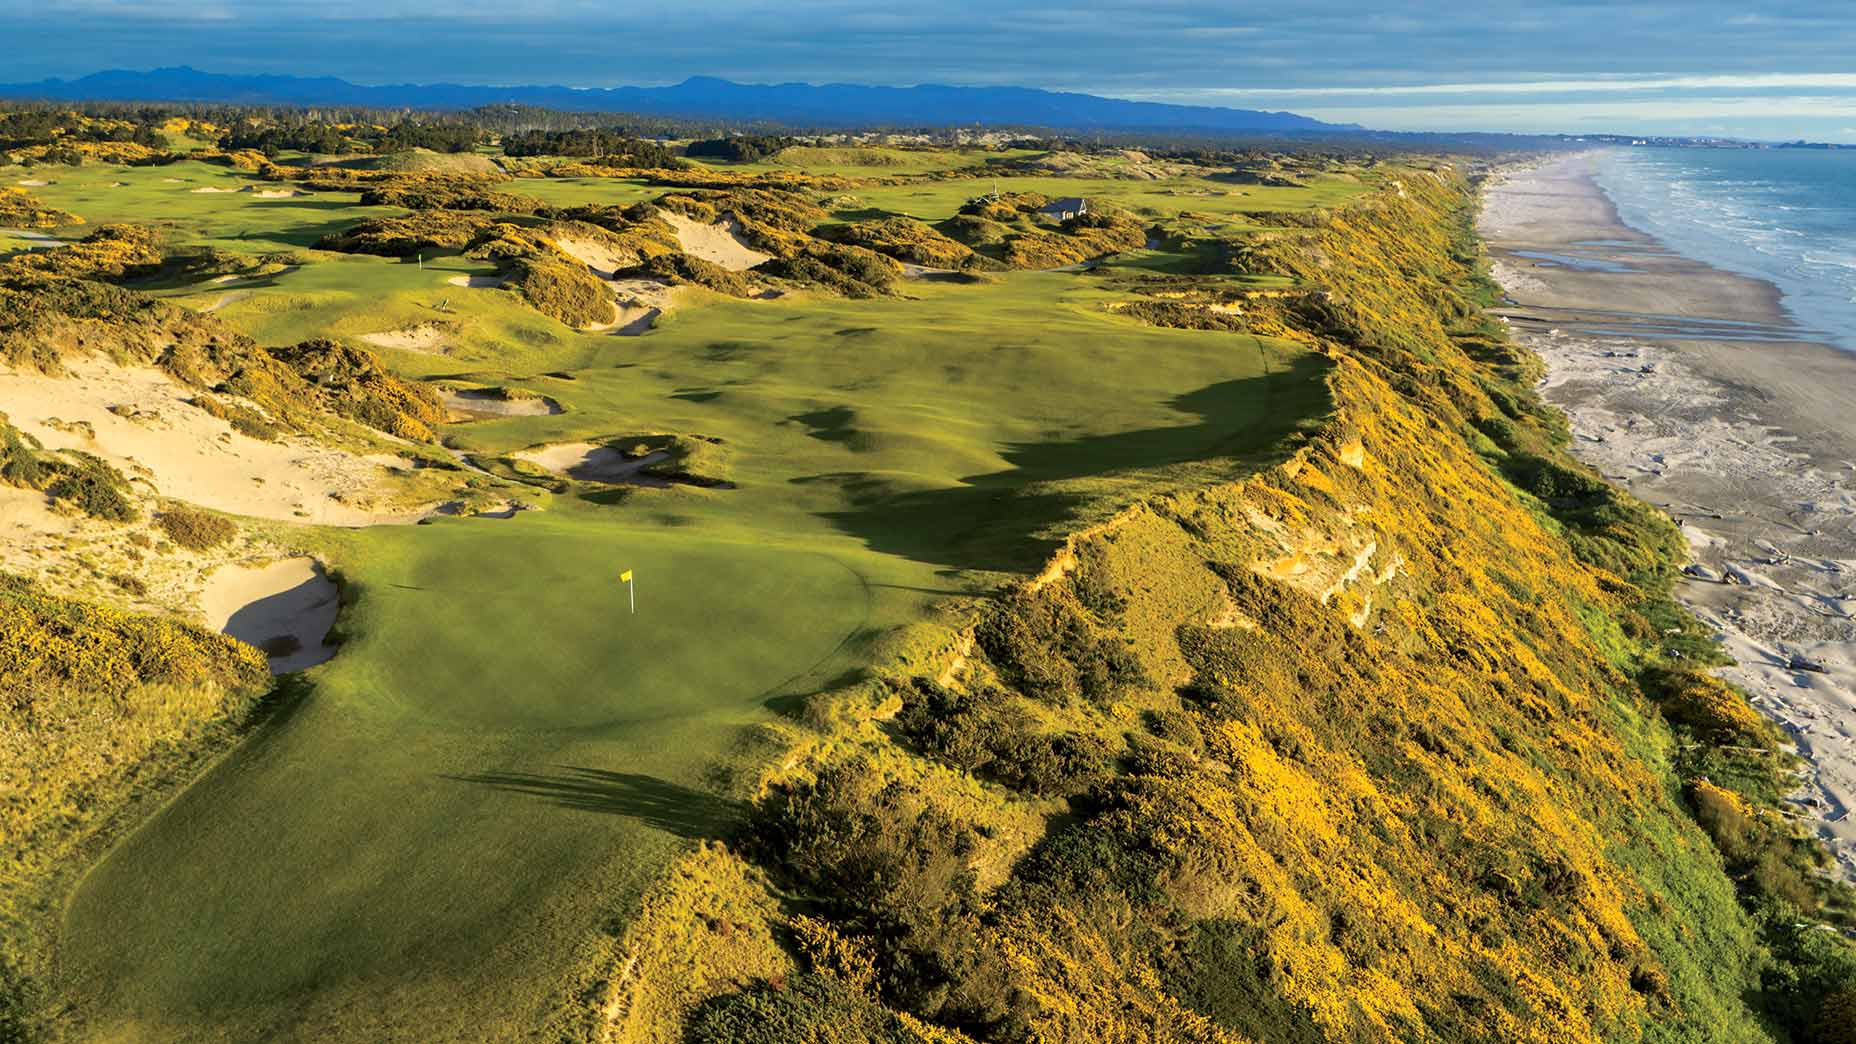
[[1688, 385], [284, 608]]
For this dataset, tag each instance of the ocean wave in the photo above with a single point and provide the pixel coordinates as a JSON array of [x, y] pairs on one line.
[[1774, 215]]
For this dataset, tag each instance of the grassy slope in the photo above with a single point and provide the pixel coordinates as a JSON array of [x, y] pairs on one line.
[[489, 770], [1452, 817]]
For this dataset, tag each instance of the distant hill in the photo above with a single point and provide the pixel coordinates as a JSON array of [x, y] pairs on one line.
[[795, 104]]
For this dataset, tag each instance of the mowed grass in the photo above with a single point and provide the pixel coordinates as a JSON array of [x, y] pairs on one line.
[[416, 848], [420, 840]]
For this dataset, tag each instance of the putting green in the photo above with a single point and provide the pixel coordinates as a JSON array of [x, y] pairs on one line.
[[502, 750]]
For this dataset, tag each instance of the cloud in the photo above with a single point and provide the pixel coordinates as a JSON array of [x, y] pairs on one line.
[[1395, 58]]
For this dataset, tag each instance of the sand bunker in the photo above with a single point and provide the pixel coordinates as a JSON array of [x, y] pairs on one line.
[[278, 193], [285, 608], [35, 183], [640, 303], [478, 282], [426, 337], [720, 243], [477, 403], [602, 258], [138, 419], [591, 462]]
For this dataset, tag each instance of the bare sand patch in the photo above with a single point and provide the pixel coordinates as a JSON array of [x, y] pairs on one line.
[[640, 303], [478, 282], [426, 337], [591, 462], [602, 258], [476, 403], [720, 243], [139, 419], [285, 608], [224, 299]]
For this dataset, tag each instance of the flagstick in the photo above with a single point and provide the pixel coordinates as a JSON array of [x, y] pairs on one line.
[[631, 588]]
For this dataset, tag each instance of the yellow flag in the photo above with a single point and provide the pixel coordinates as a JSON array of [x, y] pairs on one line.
[[625, 577]]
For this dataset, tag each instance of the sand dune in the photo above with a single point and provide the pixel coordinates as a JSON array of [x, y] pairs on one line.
[[139, 420]]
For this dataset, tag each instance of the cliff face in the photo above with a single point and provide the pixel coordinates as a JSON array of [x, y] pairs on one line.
[[1397, 740]]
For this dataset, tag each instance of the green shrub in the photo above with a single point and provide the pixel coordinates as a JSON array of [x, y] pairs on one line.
[[194, 529], [90, 485]]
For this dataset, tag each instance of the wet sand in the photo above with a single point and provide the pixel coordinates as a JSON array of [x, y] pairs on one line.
[[1695, 389]]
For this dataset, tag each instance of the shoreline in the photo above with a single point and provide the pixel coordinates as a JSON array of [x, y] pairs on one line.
[[1694, 388]]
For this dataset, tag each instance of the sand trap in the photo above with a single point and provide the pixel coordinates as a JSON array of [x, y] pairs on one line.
[[278, 193], [35, 183], [181, 451], [602, 258], [209, 188], [426, 337], [224, 299], [478, 282], [173, 181], [720, 243], [640, 303], [590, 462], [476, 403], [285, 608]]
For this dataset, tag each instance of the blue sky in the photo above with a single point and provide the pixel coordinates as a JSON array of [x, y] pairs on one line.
[[1770, 68]]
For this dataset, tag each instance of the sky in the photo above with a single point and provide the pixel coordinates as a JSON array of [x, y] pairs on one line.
[[1770, 69]]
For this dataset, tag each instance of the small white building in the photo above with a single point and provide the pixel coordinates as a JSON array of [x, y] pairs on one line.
[[1064, 209]]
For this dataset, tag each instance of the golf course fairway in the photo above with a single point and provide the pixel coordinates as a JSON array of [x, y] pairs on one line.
[[426, 837], [423, 833]]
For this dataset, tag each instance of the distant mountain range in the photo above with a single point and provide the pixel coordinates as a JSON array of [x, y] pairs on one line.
[[834, 105]]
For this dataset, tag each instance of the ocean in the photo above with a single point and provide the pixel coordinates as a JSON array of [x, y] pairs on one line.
[[1787, 216]]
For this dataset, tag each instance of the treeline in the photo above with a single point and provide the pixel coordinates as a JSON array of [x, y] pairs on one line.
[[599, 143], [20, 128], [740, 148], [307, 135]]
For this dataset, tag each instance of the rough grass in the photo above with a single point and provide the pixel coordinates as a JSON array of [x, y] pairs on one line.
[[194, 529]]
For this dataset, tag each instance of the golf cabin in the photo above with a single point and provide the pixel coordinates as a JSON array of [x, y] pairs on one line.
[[1065, 209]]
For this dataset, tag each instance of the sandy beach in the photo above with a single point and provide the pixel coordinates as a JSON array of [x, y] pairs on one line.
[[1692, 387]]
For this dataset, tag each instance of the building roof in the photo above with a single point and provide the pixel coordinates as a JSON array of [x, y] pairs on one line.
[[1071, 204]]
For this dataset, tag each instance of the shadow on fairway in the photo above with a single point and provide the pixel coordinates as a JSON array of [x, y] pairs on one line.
[[667, 806], [1006, 520]]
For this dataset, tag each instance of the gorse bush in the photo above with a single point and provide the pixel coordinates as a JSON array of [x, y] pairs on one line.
[[1408, 705]]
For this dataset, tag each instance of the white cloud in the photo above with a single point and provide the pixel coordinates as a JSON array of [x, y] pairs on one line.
[[1819, 81]]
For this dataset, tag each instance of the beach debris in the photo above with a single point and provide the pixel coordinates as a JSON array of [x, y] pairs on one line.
[[1700, 572], [1801, 663]]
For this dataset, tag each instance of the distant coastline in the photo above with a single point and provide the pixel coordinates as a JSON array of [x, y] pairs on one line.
[[1693, 387]]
